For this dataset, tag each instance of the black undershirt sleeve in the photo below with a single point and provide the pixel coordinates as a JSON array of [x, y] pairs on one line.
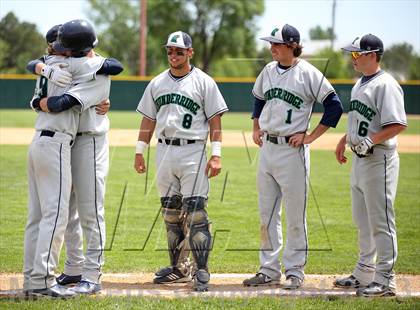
[[258, 107], [110, 66], [332, 110], [61, 103]]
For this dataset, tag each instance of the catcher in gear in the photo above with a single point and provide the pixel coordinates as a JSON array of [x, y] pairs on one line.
[[183, 105]]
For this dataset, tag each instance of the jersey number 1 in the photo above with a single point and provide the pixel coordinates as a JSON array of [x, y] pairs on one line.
[[186, 122], [289, 117]]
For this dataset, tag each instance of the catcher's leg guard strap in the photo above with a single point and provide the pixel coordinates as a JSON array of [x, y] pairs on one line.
[[198, 225], [171, 212]]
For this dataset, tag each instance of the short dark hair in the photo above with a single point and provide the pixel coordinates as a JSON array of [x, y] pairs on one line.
[[378, 57]]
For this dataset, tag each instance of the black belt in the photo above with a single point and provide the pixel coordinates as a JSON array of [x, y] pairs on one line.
[[175, 141], [79, 134], [275, 139], [49, 133]]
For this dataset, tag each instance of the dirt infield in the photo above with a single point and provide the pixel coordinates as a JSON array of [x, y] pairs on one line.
[[221, 285], [127, 137]]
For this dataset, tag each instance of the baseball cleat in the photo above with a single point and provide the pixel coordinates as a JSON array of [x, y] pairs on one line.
[[292, 283], [86, 288], [260, 279], [64, 279], [164, 271], [375, 290], [171, 275], [347, 282], [201, 281], [56, 291]]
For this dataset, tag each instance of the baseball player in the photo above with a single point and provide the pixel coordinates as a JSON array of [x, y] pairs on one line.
[[49, 166], [285, 92], [89, 169], [376, 116], [183, 104]]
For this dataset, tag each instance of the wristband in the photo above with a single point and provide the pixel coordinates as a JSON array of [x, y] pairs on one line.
[[216, 148], [140, 147]]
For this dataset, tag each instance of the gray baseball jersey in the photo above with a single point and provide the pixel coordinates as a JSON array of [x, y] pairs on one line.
[[283, 170], [375, 103], [90, 162], [289, 95], [49, 180], [182, 107], [81, 69]]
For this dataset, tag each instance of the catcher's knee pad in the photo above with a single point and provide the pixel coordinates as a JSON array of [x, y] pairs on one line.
[[171, 212], [197, 222]]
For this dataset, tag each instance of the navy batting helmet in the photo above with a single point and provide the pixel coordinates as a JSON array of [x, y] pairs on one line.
[[51, 35], [76, 36]]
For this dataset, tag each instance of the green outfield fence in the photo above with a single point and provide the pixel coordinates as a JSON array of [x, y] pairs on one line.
[[16, 91]]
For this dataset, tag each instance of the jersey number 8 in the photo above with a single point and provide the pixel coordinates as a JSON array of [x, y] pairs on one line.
[[187, 121]]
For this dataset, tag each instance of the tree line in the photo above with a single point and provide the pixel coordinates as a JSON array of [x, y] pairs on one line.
[[223, 33]]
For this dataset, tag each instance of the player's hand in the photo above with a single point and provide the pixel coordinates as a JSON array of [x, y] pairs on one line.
[[56, 75], [139, 165], [339, 151], [103, 107], [257, 137], [214, 166], [364, 148], [43, 104], [297, 140]]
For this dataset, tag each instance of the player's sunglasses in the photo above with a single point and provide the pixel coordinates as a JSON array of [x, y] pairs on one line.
[[356, 55], [178, 53]]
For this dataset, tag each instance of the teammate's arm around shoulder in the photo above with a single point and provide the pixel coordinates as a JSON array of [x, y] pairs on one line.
[[147, 127], [214, 165]]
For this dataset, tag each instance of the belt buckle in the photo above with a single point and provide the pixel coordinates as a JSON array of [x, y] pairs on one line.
[[176, 142], [272, 139]]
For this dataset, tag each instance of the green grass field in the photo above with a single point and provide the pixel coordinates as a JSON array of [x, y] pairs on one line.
[[131, 120], [330, 303], [235, 223], [235, 220]]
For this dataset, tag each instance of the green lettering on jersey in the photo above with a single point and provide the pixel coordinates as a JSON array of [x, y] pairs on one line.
[[284, 95], [362, 109], [177, 99]]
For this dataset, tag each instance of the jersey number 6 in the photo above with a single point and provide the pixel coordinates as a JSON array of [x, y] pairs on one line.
[[186, 122], [363, 129]]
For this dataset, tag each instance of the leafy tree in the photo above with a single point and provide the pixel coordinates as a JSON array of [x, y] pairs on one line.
[[414, 68], [224, 28], [19, 43], [337, 64], [397, 59], [220, 29], [317, 33]]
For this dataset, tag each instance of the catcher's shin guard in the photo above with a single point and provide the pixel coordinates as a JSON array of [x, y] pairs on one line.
[[171, 212], [197, 223]]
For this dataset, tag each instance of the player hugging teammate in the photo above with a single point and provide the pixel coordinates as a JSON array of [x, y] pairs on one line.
[[68, 162]]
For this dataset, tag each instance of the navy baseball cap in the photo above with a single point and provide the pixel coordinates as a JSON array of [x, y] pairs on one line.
[[367, 43], [179, 39], [283, 34], [52, 34]]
